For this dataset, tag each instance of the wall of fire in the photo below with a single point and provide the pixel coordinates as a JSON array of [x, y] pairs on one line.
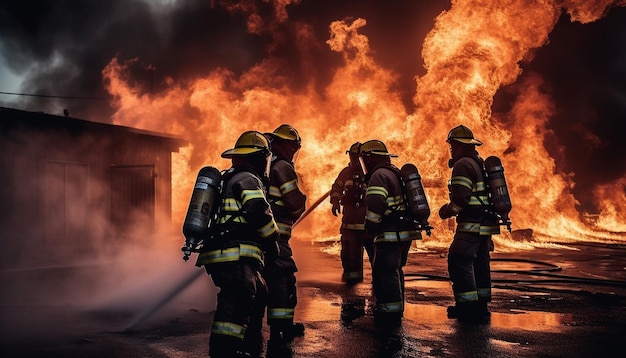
[[73, 189]]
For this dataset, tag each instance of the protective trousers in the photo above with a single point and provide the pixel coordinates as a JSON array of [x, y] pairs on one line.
[[469, 267], [281, 283], [241, 301], [388, 277], [352, 244]]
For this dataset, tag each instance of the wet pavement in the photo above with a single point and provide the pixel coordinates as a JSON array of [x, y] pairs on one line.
[[561, 301]]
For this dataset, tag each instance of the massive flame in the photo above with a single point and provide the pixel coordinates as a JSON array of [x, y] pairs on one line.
[[474, 49]]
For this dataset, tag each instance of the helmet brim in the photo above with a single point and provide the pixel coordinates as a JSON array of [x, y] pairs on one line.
[[383, 153], [239, 151], [468, 141]]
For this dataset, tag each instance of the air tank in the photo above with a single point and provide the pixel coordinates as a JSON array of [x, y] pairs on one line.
[[202, 207], [415, 196], [498, 189]]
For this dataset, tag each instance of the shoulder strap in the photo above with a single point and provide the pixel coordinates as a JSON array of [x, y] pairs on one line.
[[479, 171]]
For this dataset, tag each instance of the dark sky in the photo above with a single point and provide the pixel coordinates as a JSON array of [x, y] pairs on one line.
[[60, 47]]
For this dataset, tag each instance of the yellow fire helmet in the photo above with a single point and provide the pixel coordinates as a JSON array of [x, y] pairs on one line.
[[375, 146], [462, 134], [354, 148], [249, 142], [287, 132]]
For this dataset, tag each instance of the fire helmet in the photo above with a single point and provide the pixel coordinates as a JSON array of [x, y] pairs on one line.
[[286, 132], [462, 134], [354, 148], [375, 146], [249, 142]]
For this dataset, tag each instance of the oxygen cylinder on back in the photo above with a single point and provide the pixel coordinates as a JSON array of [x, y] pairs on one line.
[[498, 189], [202, 206], [415, 196]]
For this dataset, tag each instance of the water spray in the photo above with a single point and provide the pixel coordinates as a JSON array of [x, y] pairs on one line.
[[180, 287]]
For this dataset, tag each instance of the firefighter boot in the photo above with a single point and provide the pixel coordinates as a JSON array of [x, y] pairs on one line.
[[483, 309], [467, 312]]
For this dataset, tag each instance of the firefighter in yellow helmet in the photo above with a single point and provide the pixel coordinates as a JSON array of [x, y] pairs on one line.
[[387, 219], [469, 253], [288, 204], [348, 190], [243, 237]]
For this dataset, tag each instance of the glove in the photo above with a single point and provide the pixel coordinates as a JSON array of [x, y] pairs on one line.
[[336, 209], [445, 212]]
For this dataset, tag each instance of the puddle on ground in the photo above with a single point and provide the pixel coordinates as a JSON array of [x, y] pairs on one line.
[[330, 308]]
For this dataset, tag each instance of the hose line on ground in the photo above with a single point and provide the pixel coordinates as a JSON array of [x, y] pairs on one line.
[[543, 272]]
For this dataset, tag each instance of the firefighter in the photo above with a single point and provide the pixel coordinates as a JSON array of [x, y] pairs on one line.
[[388, 220], [348, 191], [469, 252], [243, 236], [288, 204]]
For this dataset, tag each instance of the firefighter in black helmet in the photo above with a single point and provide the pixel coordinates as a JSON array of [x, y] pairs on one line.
[[386, 218], [288, 204], [469, 253], [243, 236], [348, 191]]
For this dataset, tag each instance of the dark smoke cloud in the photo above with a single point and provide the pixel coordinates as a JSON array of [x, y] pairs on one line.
[[582, 66], [181, 39]]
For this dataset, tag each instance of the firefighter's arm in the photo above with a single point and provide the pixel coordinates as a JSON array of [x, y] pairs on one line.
[[293, 198], [257, 212], [336, 191], [376, 203], [460, 191]]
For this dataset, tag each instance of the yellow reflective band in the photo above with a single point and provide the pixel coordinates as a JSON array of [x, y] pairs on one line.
[[227, 218], [289, 186], [284, 229], [479, 201], [484, 293], [468, 227], [268, 229], [480, 186], [373, 217], [377, 190], [275, 192], [353, 226], [217, 256], [395, 200], [390, 307], [231, 204], [470, 296], [463, 181], [230, 254], [228, 329], [252, 251], [280, 313], [251, 194], [489, 230], [395, 236]]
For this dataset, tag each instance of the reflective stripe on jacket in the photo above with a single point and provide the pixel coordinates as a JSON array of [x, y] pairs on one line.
[[288, 202], [387, 213], [348, 190], [469, 198], [244, 223]]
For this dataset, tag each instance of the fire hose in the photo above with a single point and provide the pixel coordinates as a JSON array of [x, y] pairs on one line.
[[182, 285], [543, 272]]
